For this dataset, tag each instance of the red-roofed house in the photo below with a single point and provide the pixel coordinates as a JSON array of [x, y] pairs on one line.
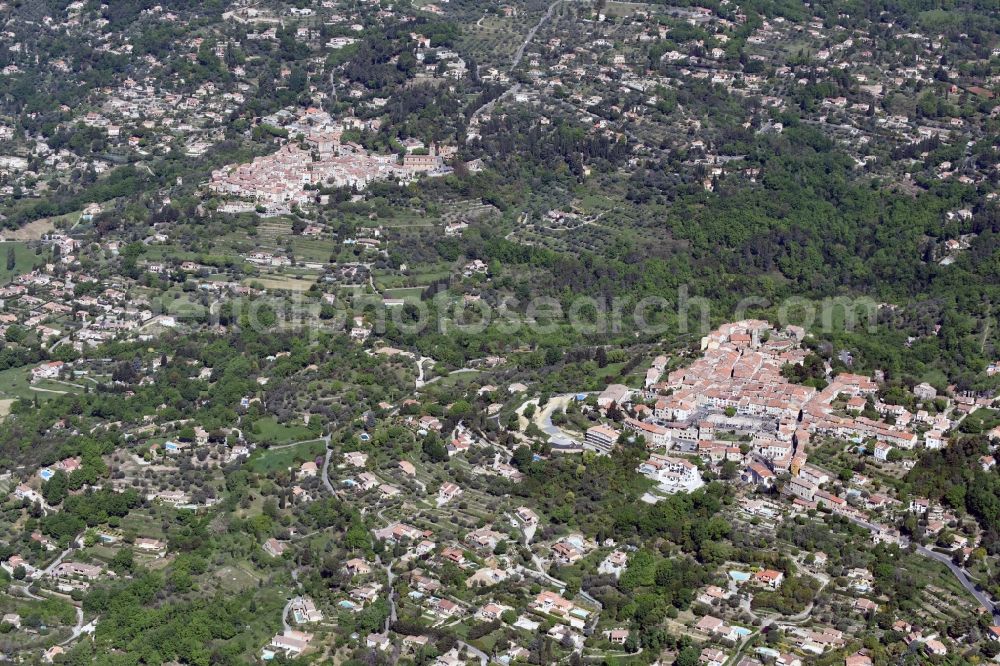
[[770, 577]]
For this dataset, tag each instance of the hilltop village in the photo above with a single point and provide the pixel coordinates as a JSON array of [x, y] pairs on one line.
[[425, 547], [309, 351], [284, 179]]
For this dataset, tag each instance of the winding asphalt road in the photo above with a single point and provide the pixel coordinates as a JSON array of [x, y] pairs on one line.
[[326, 464], [284, 614], [391, 592], [420, 370], [543, 418], [482, 656], [62, 556], [963, 577], [79, 628], [958, 572], [518, 56]]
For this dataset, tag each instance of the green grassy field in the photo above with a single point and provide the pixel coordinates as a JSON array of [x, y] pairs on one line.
[[268, 429], [424, 276], [312, 249], [457, 379], [53, 386], [408, 293], [24, 260], [270, 460], [622, 8], [15, 383], [144, 524], [283, 282], [236, 577]]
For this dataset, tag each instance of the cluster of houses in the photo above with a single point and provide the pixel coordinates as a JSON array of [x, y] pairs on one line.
[[605, 59], [733, 404], [44, 301], [288, 177]]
